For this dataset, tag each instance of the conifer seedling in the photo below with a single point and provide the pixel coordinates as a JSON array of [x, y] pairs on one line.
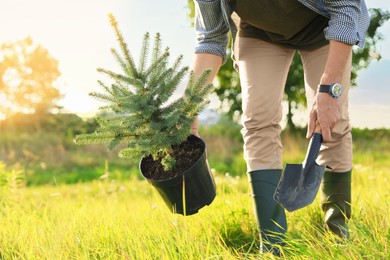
[[138, 99]]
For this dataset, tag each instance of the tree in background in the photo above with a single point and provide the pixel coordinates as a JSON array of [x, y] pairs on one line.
[[27, 75], [363, 57], [228, 88]]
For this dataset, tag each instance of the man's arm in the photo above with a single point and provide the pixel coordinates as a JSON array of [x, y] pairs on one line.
[[326, 109], [204, 61]]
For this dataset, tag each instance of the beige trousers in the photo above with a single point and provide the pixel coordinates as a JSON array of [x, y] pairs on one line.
[[263, 69]]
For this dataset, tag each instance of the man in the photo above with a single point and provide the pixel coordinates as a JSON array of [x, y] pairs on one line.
[[266, 36]]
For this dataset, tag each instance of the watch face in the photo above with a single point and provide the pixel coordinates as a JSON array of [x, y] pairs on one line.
[[336, 90]]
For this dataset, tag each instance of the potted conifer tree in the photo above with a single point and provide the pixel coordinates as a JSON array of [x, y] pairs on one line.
[[156, 129]]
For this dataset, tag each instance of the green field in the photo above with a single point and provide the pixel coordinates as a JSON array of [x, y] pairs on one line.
[[114, 214]]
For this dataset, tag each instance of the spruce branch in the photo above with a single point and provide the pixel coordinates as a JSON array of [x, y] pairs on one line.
[[136, 82], [156, 67], [129, 59], [103, 97], [174, 81], [121, 91], [105, 87], [144, 52], [102, 122], [157, 46], [121, 62], [176, 66]]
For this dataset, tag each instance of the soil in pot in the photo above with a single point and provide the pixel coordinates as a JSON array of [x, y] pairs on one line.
[[186, 154]]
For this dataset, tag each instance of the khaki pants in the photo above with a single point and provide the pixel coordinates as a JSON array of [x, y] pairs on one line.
[[263, 69]]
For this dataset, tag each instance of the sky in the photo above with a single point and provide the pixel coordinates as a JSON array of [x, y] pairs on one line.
[[77, 33]]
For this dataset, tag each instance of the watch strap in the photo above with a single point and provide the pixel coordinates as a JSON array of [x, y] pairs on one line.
[[324, 88], [334, 90]]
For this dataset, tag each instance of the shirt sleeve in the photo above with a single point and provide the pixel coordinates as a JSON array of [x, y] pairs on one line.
[[211, 28], [349, 21]]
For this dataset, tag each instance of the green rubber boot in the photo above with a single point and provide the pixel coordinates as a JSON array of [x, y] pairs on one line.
[[336, 202], [270, 216]]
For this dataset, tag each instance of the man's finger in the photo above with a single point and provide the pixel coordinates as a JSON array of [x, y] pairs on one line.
[[311, 126], [195, 132], [326, 135], [194, 127]]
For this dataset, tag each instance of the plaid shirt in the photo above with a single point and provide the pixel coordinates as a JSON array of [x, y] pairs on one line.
[[348, 22]]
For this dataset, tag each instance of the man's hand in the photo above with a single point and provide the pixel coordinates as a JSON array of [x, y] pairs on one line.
[[202, 62], [325, 112]]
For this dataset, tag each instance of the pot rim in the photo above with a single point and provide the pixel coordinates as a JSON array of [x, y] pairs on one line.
[[182, 173]]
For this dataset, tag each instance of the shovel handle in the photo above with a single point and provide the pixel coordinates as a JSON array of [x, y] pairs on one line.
[[313, 149]]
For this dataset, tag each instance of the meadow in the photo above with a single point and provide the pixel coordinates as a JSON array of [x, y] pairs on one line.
[[60, 201]]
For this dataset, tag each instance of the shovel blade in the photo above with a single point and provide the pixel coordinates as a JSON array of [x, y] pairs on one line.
[[298, 186]]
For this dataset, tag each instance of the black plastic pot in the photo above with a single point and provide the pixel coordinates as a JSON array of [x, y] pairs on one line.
[[196, 184]]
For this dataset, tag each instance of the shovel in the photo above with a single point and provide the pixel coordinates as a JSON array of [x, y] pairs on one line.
[[299, 183]]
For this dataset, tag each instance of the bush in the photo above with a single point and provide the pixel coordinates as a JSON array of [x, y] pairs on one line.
[[11, 182]]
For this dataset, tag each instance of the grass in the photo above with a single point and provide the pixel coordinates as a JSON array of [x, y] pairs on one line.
[[120, 216], [126, 219]]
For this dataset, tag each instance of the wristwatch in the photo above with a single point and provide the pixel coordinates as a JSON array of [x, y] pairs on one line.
[[334, 90]]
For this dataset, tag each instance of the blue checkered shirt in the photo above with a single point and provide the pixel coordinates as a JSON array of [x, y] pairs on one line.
[[348, 22]]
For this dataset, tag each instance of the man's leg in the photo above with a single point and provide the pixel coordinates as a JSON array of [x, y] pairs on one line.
[[336, 154], [263, 71]]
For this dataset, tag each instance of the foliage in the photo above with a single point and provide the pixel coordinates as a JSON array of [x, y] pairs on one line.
[[138, 99], [27, 76], [60, 123], [362, 58], [47, 155], [11, 182], [294, 89], [191, 11], [229, 89], [224, 143]]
